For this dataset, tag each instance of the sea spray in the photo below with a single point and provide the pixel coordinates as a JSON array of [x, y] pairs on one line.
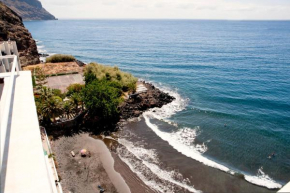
[[263, 179], [183, 140], [145, 163], [183, 148]]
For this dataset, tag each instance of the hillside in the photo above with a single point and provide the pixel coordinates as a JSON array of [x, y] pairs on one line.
[[11, 27], [29, 9]]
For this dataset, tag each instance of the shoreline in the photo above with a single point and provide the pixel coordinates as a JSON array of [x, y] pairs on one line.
[[115, 175], [138, 103], [194, 174], [104, 167], [131, 178], [86, 173]]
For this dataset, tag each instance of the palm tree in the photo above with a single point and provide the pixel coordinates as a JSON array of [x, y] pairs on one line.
[[52, 107], [45, 93], [76, 100], [68, 108]]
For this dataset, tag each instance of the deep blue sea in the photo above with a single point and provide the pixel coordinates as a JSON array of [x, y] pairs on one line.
[[231, 78]]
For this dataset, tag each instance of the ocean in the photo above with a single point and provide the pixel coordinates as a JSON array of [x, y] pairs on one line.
[[231, 80]]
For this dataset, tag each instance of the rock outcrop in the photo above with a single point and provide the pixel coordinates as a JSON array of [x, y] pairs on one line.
[[139, 103], [11, 27], [29, 9]]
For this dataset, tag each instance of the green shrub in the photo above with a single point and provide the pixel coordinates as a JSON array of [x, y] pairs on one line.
[[101, 99], [74, 88], [60, 58], [126, 80], [89, 77], [58, 93]]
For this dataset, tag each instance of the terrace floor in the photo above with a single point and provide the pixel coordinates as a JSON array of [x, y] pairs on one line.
[[24, 167], [62, 82]]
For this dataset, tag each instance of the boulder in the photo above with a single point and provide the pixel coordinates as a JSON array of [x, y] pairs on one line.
[[153, 97]]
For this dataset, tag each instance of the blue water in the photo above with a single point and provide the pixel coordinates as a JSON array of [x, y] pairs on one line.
[[235, 75]]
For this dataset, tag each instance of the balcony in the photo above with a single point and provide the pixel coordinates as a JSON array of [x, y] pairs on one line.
[[24, 165]]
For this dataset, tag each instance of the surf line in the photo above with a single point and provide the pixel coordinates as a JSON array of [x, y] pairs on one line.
[[261, 179]]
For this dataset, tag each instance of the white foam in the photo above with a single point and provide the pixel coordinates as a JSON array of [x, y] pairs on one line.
[[150, 161], [181, 145], [40, 48], [182, 140], [169, 109], [263, 179]]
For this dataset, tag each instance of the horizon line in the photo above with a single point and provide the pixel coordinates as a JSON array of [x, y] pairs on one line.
[[172, 19]]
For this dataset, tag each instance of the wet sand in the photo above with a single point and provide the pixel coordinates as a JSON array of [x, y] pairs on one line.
[[83, 175], [203, 178], [134, 182], [107, 169]]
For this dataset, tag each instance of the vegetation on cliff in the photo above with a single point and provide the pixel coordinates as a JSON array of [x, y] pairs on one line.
[[99, 104], [57, 58], [99, 98], [126, 80]]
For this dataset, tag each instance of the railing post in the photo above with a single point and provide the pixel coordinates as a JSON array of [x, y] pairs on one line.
[[4, 122], [15, 51], [16, 64], [5, 60]]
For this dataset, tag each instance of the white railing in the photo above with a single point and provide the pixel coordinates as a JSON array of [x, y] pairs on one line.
[[4, 118], [58, 185], [9, 48]]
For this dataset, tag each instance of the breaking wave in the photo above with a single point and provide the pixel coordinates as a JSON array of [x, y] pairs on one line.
[[183, 140], [144, 163]]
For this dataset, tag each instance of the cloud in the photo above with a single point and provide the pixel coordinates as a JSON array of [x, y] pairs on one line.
[[189, 9], [186, 6]]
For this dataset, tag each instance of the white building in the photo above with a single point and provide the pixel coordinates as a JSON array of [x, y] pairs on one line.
[[24, 163]]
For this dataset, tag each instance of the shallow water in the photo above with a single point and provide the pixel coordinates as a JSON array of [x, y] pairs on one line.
[[232, 80], [165, 169]]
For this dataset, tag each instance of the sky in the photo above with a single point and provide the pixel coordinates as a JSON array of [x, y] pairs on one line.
[[170, 9]]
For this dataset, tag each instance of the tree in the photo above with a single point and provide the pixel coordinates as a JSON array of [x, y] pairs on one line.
[[76, 100], [74, 88], [68, 108], [101, 99], [52, 107], [89, 77], [45, 93]]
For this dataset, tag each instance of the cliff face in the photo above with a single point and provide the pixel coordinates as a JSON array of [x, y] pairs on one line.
[[29, 9], [11, 27]]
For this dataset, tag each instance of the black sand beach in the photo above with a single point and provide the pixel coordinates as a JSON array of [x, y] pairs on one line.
[[204, 178]]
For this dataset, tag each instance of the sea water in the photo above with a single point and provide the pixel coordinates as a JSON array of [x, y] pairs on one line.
[[231, 80]]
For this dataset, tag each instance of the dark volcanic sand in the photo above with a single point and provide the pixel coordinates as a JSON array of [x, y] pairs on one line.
[[203, 178], [83, 175]]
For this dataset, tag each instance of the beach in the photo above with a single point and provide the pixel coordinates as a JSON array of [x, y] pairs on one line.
[[231, 109], [146, 154], [117, 167], [85, 174], [80, 174], [171, 171]]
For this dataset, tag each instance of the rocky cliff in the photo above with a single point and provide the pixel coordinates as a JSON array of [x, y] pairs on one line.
[[137, 104], [29, 9], [11, 27]]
